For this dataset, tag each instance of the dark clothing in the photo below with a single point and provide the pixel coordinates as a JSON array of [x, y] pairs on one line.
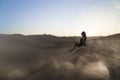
[[82, 42]]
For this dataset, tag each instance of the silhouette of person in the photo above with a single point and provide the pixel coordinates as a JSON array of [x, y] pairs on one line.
[[82, 41]]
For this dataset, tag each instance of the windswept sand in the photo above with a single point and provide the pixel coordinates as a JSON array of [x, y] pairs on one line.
[[46, 57]]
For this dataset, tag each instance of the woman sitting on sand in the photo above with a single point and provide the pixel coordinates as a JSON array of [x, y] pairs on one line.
[[82, 41]]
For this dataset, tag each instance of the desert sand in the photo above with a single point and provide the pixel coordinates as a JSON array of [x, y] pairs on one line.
[[46, 57]]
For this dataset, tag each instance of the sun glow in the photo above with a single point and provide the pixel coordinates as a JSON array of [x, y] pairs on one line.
[[97, 22]]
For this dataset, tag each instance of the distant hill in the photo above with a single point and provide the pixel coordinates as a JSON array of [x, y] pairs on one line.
[[33, 40]]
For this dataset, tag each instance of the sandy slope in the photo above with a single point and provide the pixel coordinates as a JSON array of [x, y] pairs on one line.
[[46, 57]]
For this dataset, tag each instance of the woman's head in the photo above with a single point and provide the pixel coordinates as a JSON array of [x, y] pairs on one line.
[[83, 33]]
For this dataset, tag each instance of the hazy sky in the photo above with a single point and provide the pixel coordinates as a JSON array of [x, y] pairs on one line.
[[60, 17]]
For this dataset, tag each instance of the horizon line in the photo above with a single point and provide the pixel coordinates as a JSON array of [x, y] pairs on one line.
[[55, 35]]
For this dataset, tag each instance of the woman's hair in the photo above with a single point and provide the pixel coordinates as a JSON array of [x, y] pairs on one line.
[[83, 34]]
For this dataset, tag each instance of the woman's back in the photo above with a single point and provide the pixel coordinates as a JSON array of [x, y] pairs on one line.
[[83, 39]]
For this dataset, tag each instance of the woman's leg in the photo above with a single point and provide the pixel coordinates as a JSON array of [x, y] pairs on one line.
[[76, 45]]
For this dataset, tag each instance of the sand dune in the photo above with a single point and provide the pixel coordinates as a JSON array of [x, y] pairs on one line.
[[46, 57]]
